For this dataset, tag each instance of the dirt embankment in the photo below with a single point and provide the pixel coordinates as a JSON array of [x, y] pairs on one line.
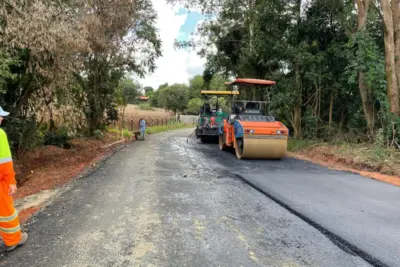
[[49, 166], [46, 168], [381, 165]]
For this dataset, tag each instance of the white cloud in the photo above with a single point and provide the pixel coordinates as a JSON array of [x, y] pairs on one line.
[[175, 65]]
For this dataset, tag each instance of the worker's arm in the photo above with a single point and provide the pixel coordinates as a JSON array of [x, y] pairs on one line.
[[7, 173]]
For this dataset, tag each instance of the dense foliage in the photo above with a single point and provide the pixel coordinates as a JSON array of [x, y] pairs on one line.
[[63, 64], [334, 61]]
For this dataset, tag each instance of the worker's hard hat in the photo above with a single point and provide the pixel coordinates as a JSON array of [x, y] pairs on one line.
[[3, 113]]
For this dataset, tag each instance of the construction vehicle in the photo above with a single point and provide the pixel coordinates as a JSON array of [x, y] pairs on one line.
[[249, 130], [210, 118]]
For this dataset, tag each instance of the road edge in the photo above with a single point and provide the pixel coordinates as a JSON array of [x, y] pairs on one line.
[[35, 210], [377, 176], [28, 214], [335, 239]]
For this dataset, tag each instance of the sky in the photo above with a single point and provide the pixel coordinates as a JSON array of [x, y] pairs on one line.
[[175, 65]]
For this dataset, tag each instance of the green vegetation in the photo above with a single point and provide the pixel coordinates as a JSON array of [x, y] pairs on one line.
[[360, 156], [126, 133], [299, 144], [72, 75], [145, 106], [164, 128], [335, 63]]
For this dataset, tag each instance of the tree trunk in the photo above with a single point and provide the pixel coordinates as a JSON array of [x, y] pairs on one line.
[[297, 107], [367, 96], [297, 121], [363, 7], [341, 122], [391, 78], [368, 103], [396, 25], [251, 5], [331, 110]]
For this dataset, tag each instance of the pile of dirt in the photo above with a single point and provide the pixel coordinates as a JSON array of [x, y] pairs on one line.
[[50, 166]]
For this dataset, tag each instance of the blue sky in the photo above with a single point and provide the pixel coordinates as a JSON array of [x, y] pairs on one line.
[[190, 24], [176, 65]]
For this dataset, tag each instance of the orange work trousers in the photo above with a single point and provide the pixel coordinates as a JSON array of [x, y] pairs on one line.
[[10, 229]]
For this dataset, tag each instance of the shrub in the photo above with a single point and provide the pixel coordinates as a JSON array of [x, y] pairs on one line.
[[23, 133], [126, 133], [98, 134], [57, 138]]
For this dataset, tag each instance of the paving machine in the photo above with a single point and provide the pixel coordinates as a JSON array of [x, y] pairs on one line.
[[210, 118], [249, 130]]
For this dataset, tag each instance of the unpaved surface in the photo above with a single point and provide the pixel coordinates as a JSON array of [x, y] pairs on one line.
[[162, 202]]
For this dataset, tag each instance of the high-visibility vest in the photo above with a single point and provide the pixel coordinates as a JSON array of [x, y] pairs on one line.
[[5, 151]]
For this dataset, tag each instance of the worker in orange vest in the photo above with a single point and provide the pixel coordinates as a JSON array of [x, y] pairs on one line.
[[10, 229], [212, 120]]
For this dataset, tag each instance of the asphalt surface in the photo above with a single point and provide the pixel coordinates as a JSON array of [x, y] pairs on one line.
[[357, 213], [163, 202]]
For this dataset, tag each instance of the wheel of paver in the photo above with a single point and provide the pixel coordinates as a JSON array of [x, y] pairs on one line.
[[239, 148], [221, 142]]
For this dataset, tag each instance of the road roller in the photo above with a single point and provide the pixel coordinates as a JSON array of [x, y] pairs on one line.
[[210, 118], [249, 130]]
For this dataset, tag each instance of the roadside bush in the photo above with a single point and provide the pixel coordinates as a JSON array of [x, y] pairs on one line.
[[126, 133], [98, 134], [23, 134], [112, 114], [57, 138]]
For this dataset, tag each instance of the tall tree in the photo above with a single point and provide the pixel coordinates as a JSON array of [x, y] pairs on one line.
[[123, 38], [367, 96], [391, 77]]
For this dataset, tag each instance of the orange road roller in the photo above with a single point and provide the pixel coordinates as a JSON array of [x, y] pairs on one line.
[[249, 130]]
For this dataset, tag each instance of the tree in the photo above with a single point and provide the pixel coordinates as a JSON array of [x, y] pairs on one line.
[[155, 100], [129, 89], [196, 84], [121, 101], [366, 92], [45, 37], [326, 57], [194, 105], [148, 91], [174, 97], [113, 51], [391, 77]]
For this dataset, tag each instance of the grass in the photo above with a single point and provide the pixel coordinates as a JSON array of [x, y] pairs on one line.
[[361, 156], [164, 128], [370, 154], [126, 133], [295, 145], [145, 106]]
